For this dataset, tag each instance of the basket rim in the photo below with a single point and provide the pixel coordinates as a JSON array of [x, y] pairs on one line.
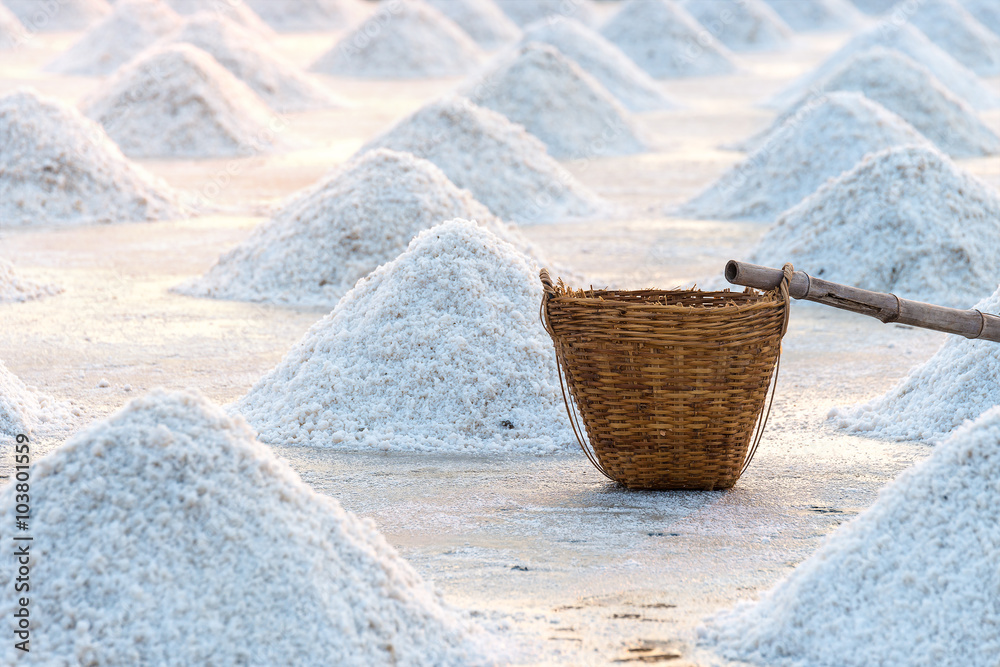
[[606, 298]]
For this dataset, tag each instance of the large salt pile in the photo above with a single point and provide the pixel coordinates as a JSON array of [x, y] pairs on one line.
[[955, 30], [911, 581], [875, 7], [909, 41], [525, 12], [58, 167], [13, 288], [177, 101], [167, 535], [817, 15], [482, 20], [24, 411], [440, 350], [503, 166], [666, 41], [282, 85], [417, 41], [234, 10], [309, 15], [12, 32], [824, 139], [604, 61], [986, 12], [742, 25], [555, 100], [58, 15]]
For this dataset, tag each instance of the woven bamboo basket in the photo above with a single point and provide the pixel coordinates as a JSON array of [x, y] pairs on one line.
[[671, 385]]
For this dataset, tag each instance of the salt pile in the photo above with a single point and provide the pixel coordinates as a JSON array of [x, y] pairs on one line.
[[167, 535], [910, 42], [24, 411], [482, 20], [282, 85], [911, 581], [58, 16], [177, 101], [875, 7], [986, 12], [817, 15], [308, 15], [824, 139], [524, 13], [666, 41], [416, 41], [604, 61], [57, 167], [955, 30], [503, 166], [13, 288], [555, 100], [129, 29], [12, 33], [234, 10], [742, 25]]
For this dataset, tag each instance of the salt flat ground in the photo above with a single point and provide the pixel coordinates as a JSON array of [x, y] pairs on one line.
[[574, 569]]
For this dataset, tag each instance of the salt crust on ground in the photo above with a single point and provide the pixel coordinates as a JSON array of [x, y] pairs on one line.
[[555, 100], [14, 289], [132, 27], [414, 41], [824, 139], [12, 33], [986, 12], [309, 15], [282, 85], [911, 581], [166, 535], [57, 167], [666, 41], [630, 84], [955, 30], [440, 351], [742, 25], [234, 10], [25, 411], [482, 20], [905, 220], [817, 15], [525, 13], [323, 241], [503, 166], [64, 15], [177, 101], [910, 42]]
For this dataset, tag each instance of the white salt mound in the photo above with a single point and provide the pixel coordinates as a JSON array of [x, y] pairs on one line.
[[554, 99], [604, 61], [167, 535], [503, 166], [282, 85], [14, 288], [986, 12], [955, 30], [234, 10], [825, 138], [911, 581], [666, 41], [57, 167], [905, 220], [12, 33], [440, 351], [817, 15], [742, 25], [308, 15], [526, 12], [875, 7], [416, 41], [482, 20], [910, 42], [117, 38], [58, 15], [177, 101], [24, 411]]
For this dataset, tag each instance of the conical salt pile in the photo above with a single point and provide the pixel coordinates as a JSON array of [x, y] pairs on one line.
[[482, 20], [282, 85], [57, 167], [234, 10], [440, 350], [309, 15], [23, 411], [417, 41], [167, 535], [913, 580], [604, 61], [13, 288], [986, 12], [955, 30], [817, 15], [503, 166], [132, 27], [666, 41], [58, 15], [177, 101], [875, 7], [526, 12], [555, 100], [823, 140], [12, 32], [742, 25]]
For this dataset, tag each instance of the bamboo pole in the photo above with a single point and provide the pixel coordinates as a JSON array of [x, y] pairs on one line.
[[880, 305]]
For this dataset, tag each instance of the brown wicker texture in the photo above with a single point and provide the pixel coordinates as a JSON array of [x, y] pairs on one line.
[[671, 385]]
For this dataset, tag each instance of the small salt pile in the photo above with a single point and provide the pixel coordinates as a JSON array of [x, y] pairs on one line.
[[24, 411], [905, 220], [911, 581], [482, 20], [58, 15], [955, 30], [177, 101], [282, 85], [525, 13], [167, 535], [822, 140], [12, 32], [986, 12], [15, 289], [309, 15], [503, 166], [875, 7], [817, 15], [742, 25], [57, 167], [439, 351], [116, 39], [234, 10], [604, 61], [666, 41], [554, 99]]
